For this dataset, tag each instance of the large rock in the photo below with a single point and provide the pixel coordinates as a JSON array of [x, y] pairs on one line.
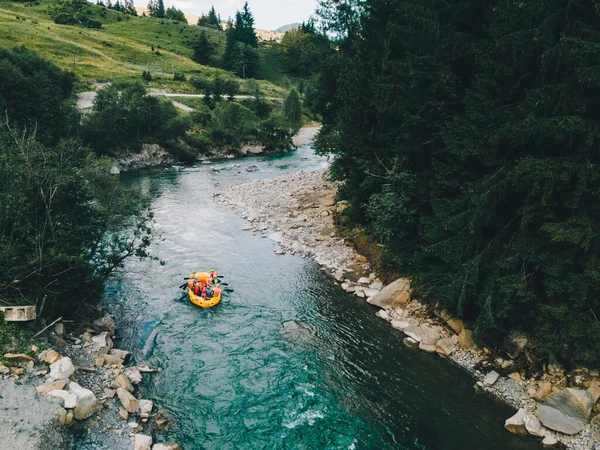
[[369, 292], [430, 335], [87, 403], [400, 324], [51, 357], [445, 347], [429, 348], [102, 343], [124, 382], [515, 424], [128, 401], [106, 323], [134, 375], [390, 293], [123, 354], [68, 400], [594, 390], [51, 386], [414, 331], [145, 409], [142, 442], [410, 343], [61, 369], [543, 392], [574, 403], [533, 425], [491, 378], [169, 446], [456, 324], [555, 420], [549, 442], [111, 360], [465, 339]]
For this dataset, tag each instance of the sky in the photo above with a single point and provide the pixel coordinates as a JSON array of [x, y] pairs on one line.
[[268, 14]]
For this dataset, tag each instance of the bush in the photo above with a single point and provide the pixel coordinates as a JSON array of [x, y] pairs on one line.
[[179, 77], [146, 75], [64, 19]]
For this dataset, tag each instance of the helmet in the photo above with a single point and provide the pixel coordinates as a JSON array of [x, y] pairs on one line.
[[193, 271], [212, 270]]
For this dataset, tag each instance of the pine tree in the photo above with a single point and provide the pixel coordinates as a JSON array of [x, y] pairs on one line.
[[244, 27], [293, 109], [203, 50]]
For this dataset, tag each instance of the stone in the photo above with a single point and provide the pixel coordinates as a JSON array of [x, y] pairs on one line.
[[389, 293], [18, 356], [123, 415], [145, 409], [515, 424], [69, 419], [109, 393], [4, 370], [446, 346], [169, 446], [61, 369], [360, 292], [377, 285], [142, 441], [144, 369], [51, 386], [491, 378], [574, 403], [106, 323], [465, 339], [382, 314], [128, 401], [515, 343], [112, 360], [17, 371], [134, 375], [339, 276], [515, 376], [456, 324], [414, 331], [544, 390], [549, 442], [124, 382], [102, 343], [252, 168], [123, 354], [400, 324], [59, 329], [370, 292], [594, 390], [429, 348], [430, 335], [506, 364], [69, 401], [87, 403], [364, 281], [410, 343], [133, 425], [280, 251], [61, 417], [360, 258], [555, 420], [99, 362], [533, 425], [51, 357]]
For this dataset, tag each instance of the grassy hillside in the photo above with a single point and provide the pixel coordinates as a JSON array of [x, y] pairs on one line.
[[121, 49]]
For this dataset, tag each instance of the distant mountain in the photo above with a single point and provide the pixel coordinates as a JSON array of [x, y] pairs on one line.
[[286, 28]]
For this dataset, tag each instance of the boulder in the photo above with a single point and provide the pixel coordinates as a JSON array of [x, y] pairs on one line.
[[544, 390], [87, 403], [549, 442], [574, 403], [111, 360], [377, 285], [429, 348], [51, 357], [594, 390], [128, 401], [106, 323], [446, 346], [533, 425], [414, 331], [410, 343], [169, 446], [388, 294], [491, 378], [68, 400], [465, 339], [123, 354], [134, 375], [123, 415], [61, 369], [124, 382], [369, 292], [430, 335], [143, 441], [401, 300], [383, 314], [456, 324], [4, 370], [515, 424], [364, 281], [145, 409], [51, 386], [555, 420], [400, 324], [102, 343], [109, 393]]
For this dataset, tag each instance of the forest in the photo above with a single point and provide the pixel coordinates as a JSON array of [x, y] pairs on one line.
[[466, 139]]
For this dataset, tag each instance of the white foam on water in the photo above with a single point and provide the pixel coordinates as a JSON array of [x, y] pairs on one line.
[[306, 417]]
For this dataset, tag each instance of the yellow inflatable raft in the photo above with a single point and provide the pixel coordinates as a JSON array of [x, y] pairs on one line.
[[198, 300]]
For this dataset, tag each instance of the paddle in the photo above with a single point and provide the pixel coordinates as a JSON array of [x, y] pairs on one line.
[[184, 285]]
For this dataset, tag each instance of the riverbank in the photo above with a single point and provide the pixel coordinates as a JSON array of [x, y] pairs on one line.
[[85, 394], [297, 211]]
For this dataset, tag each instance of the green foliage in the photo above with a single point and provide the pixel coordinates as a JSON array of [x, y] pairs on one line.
[[303, 50], [146, 75], [465, 136], [173, 13], [203, 50], [210, 20], [179, 77], [74, 12], [124, 115], [293, 110], [241, 56], [156, 8], [36, 94]]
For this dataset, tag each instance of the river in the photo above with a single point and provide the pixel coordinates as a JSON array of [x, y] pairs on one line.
[[233, 378]]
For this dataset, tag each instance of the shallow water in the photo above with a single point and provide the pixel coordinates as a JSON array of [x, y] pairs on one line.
[[288, 360]]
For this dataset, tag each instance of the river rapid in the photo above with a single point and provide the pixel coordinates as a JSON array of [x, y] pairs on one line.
[[288, 360]]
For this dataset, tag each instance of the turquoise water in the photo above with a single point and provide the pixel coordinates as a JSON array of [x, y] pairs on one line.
[[288, 360]]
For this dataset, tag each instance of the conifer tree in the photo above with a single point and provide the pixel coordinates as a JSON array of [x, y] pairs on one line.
[[203, 50]]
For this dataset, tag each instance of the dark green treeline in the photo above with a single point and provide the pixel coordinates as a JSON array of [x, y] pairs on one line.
[[467, 137]]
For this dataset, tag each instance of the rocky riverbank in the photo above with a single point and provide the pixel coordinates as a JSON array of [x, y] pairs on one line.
[[80, 385], [297, 211]]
